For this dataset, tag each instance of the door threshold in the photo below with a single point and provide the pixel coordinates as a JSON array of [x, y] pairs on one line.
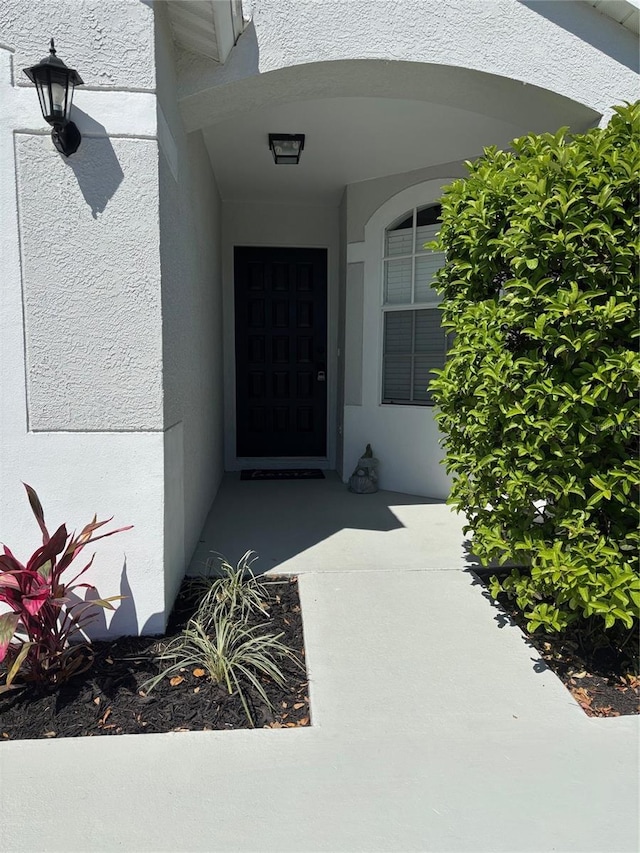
[[276, 462]]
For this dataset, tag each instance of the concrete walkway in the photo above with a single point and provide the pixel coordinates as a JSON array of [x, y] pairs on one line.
[[435, 728]]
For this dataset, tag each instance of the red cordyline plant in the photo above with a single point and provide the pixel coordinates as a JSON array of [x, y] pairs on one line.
[[43, 636]]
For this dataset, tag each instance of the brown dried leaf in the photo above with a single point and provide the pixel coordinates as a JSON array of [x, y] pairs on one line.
[[291, 725], [199, 672], [274, 725], [298, 705], [109, 660], [96, 701], [49, 734], [177, 679], [582, 697], [579, 674], [103, 719], [303, 721], [196, 690]]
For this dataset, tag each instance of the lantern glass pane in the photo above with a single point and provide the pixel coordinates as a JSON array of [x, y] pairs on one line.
[[287, 148], [43, 97], [58, 97], [59, 85]]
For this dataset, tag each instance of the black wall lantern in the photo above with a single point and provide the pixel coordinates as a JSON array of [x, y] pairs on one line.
[[286, 147], [55, 84]]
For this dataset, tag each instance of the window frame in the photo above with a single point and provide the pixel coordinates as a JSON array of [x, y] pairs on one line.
[[410, 307]]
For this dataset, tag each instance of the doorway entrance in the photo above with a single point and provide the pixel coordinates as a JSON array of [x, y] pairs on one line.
[[281, 351]]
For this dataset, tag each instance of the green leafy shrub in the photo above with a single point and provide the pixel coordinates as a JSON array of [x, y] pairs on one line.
[[538, 395]]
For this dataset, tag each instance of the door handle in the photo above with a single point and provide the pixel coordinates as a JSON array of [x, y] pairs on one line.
[[322, 376]]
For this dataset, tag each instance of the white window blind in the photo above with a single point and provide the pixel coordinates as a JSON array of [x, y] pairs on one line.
[[414, 340]]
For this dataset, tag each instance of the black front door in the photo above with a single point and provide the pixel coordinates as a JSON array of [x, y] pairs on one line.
[[281, 351]]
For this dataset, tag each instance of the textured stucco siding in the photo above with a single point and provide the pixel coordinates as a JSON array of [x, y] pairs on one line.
[[503, 37], [586, 58], [109, 42], [405, 438], [365, 197], [90, 284], [80, 303], [192, 324]]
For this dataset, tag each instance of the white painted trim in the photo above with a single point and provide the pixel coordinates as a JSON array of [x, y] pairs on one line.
[[223, 21], [411, 198], [355, 252], [95, 113], [233, 462], [404, 437]]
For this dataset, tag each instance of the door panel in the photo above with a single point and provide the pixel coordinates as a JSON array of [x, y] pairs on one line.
[[281, 351]]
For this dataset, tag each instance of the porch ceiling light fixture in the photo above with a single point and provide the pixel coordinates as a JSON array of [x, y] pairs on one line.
[[55, 84], [286, 147]]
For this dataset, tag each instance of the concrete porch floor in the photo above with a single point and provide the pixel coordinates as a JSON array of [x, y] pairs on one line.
[[318, 525], [434, 727]]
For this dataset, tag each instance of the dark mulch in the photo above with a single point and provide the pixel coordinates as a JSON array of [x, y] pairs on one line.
[[600, 674], [107, 700]]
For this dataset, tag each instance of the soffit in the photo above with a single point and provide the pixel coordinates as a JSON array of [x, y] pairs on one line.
[[207, 27], [625, 12], [355, 139]]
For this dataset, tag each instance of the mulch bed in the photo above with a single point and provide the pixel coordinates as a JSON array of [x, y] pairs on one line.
[[107, 700], [603, 679]]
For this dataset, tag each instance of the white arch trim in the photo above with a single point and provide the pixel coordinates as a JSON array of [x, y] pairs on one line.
[[405, 437]]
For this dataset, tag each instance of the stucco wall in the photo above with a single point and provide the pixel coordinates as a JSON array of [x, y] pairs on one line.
[[109, 42], [405, 438], [584, 56], [365, 197], [303, 226], [90, 284], [192, 323], [80, 358]]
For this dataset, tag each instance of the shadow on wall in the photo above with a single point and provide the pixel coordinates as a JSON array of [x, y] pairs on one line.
[[589, 25], [95, 165], [124, 621]]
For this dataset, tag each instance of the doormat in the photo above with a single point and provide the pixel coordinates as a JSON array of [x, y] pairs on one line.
[[282, 474]]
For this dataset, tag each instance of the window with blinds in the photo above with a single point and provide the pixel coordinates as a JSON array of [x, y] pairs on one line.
[[414, 341]]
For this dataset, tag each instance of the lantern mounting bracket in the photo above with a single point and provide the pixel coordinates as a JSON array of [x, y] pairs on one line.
[[66, 138]]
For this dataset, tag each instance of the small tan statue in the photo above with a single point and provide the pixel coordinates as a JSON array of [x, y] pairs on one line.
[[364, 480]]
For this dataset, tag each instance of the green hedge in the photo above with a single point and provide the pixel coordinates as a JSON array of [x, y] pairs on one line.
[[537, 400]]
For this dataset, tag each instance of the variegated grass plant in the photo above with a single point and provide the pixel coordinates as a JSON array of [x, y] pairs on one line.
[[234, 589], [219, 639]]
